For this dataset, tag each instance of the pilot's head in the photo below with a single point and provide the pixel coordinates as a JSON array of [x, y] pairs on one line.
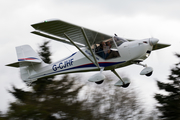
[[108, 43], [102, 44]]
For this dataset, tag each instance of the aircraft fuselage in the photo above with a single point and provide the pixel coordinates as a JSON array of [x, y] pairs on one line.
[[77, 62]]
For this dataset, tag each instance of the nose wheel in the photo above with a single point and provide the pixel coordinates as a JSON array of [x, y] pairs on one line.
[[146, 71]]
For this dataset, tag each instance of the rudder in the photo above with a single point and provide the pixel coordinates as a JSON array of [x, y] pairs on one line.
[[28, 61]]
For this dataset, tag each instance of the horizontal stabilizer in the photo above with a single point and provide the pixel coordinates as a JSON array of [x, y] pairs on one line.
[[23, 63], [16, 64]]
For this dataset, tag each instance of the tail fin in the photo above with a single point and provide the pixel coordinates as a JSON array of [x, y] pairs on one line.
[[27, 54], [28, 60]]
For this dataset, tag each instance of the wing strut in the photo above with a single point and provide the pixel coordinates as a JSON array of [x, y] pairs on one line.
[[80, 49], [87, 41]]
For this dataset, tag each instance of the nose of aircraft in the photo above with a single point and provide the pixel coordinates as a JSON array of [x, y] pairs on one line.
[[153, 41]]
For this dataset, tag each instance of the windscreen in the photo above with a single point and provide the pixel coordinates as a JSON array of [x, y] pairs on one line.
[[119, 40]]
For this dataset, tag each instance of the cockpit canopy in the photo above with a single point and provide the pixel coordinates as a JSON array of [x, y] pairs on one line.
[[107, 49], [114, 42]]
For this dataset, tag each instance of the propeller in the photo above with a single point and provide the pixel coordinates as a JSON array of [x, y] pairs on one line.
[[153, 42]]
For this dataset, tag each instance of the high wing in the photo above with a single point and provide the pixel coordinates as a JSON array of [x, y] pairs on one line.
[[157, 46], [59, 30], [71, 34]]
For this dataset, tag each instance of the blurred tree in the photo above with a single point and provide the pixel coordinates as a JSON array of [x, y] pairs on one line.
[[45, 54], [49, 99], [59, 101], [114, 103], [169, 105], [2, 116]]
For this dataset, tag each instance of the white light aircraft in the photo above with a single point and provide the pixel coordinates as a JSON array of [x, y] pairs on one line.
[[97, 52]]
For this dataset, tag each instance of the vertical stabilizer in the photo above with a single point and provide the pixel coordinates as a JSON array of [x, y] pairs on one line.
[[26, 53], [29, 62]]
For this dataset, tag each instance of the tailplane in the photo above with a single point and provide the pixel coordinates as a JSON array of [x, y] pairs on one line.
[[28, 61]]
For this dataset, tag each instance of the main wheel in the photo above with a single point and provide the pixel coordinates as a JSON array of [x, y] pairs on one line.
[[125, 85], [99, 82], [149, 74]]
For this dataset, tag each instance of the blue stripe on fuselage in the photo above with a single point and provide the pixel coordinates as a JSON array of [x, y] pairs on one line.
[[101, 64]]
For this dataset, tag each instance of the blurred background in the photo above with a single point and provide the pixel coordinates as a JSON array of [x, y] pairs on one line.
[[129, 19]]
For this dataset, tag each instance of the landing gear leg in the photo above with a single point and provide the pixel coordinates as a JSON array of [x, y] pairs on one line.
[[28, 84], [121, 83]]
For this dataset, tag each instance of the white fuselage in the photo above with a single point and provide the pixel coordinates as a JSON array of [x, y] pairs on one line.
[[77, 62]]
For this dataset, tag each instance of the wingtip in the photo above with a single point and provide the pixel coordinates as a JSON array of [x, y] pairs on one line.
[[45, 21]]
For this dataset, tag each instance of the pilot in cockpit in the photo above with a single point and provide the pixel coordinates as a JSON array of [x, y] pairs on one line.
[[111, 53], [104, 50]]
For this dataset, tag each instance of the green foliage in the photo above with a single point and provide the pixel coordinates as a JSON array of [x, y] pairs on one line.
[[169, 105], [40, 85], [58, 101], [45, 53]]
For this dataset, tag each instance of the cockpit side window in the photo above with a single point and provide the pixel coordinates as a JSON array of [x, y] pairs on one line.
[[105, 51]]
